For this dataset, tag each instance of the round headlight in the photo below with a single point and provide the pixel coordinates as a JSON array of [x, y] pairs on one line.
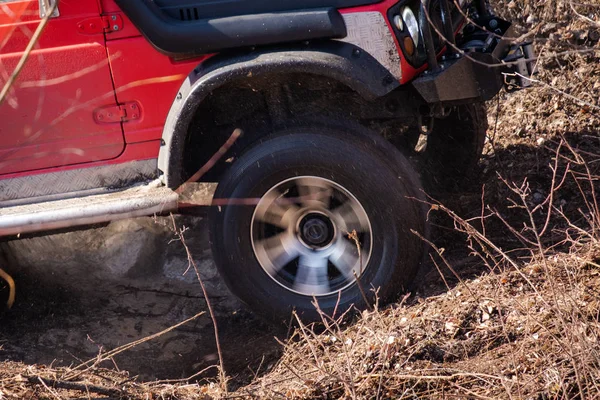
[[411, 24]]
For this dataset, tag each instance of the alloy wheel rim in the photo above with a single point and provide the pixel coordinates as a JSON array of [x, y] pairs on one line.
[[311, 236]]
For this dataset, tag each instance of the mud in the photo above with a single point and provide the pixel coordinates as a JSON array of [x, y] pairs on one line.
[[84, 292]]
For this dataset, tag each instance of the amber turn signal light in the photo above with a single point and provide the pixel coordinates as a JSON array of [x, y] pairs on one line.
[[409, 46]]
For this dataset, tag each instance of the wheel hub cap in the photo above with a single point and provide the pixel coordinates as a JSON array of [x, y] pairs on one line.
[[316, 230], [311, 235]]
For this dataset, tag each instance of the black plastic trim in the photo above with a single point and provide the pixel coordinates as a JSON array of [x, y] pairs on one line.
[[174, 37], [464, 80], [339, 61], [199, 9], [427, 35]]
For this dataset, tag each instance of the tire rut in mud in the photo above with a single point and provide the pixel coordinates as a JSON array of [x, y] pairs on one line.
[[83, 292]]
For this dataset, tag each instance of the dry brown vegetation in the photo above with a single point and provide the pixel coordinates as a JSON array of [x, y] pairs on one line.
[[511, 308], [527, 327]]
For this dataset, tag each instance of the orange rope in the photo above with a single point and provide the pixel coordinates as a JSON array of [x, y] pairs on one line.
[[11, 286]]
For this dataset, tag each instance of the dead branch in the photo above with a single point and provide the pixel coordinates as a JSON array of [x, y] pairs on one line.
[[81, 387], [181, 237]]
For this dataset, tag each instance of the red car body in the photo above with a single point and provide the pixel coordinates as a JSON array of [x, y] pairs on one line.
[[94, 91]]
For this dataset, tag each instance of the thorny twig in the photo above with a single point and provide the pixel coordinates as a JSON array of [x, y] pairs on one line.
[[440, 254]]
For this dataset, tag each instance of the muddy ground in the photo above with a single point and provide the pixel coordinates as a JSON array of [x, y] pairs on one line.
[[83, 292]]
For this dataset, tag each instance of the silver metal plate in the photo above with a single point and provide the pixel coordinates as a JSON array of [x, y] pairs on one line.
[[370, 32], [45, 6], [70, 183]]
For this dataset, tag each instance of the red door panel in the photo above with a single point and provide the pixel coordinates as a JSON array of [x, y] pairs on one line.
[[144, 75], [151, 79], [47, 120]]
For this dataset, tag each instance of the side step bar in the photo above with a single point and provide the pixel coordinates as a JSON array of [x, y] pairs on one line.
[[134, 202]]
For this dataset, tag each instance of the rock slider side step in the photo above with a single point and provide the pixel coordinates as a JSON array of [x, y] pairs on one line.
[[134, 202]]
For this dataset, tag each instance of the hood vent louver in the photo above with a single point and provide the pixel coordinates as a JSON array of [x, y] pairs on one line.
[[189, 14]]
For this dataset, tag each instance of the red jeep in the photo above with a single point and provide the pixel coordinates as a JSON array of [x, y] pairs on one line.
[[315, 119]]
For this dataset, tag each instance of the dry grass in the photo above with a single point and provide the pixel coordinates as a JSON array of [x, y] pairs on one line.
[[19, 381]]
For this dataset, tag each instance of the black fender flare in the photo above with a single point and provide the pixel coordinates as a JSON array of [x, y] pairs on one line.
[[340, 61]]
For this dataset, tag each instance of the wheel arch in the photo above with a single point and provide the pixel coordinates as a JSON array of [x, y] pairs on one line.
[[344, 63]]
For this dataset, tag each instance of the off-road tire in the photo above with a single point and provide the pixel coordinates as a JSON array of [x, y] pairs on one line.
[[374, 172]]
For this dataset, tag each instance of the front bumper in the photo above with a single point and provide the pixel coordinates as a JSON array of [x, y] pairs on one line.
[[485, 63]]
